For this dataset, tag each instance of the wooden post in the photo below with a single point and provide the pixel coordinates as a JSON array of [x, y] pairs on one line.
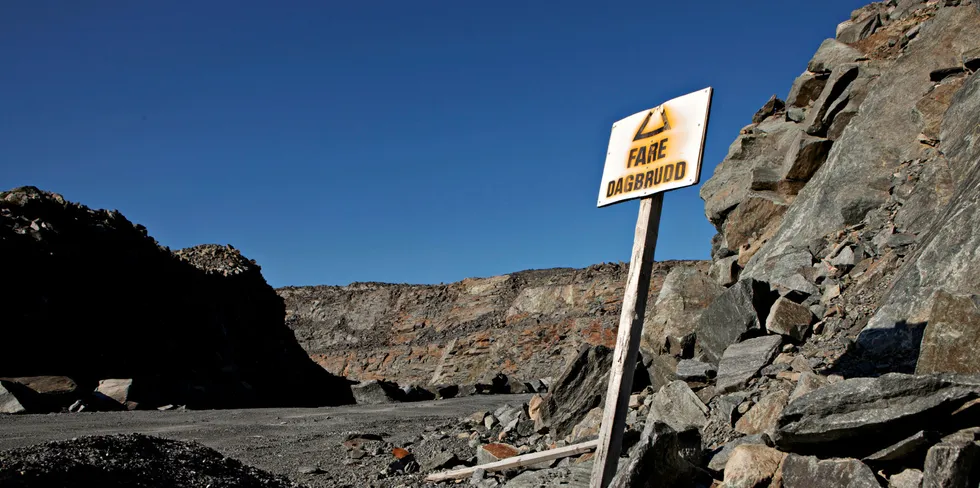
[[627, 342], [516, 461]]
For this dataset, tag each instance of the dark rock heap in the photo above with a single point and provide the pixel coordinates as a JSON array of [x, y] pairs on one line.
[[123, 461], [89, 296]]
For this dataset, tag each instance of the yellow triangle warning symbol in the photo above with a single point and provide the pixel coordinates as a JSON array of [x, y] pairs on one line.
[[664, 126]]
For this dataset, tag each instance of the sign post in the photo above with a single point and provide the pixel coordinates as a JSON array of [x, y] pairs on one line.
[[650, 152]]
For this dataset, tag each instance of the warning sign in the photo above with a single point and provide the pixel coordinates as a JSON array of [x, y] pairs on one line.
[[656, 150]]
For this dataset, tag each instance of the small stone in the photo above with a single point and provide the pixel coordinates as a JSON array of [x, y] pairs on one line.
[[400, 453], [441, 460], [489, 421], [817, 310], [788, 376], [744, 407], [910, 478], [635, 401], [773, 369], [800, 364], [772, 106], [477, 417], [489, 453], [900, 240], [795, 114], [807, 383], [784, 358], [311, 470], [694, 370], [845, 258], [356, 453]]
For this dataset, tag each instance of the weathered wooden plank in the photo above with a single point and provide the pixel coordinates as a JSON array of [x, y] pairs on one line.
[[627, 342], [516, 461]]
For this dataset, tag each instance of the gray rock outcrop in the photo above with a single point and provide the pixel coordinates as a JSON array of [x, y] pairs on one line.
[[580, 388], [860, 416]]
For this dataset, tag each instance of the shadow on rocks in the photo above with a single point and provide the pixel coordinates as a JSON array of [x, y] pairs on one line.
[[882, 350]]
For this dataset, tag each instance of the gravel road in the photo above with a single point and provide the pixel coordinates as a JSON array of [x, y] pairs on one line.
[[304, 444]]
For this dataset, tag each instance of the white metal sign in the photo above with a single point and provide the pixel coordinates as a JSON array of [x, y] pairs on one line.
[[656, 150]]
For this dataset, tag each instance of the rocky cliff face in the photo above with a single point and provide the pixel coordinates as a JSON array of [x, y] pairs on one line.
[[89, 295], [835, 341], [527, 325], [860, 192]]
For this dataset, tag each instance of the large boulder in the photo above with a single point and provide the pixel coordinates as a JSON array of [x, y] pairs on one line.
[[677, 406], [685, 294], [119, 391], [764, 415], [736, 314], [40, 394], [861, 416], [580, 388], [951, 337], [743, 361], [375, 392], [953, 463], [662, 458], [811, 472], [8, 402], [789, 319], [752, 465]]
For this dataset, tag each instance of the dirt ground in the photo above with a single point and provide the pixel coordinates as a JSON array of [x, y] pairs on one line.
[[306, 445]]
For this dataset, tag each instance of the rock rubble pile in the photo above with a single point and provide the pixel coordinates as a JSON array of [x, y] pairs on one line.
[[833, 340], [97, 315]]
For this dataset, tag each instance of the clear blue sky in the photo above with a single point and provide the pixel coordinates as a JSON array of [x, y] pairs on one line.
[[418, 142]]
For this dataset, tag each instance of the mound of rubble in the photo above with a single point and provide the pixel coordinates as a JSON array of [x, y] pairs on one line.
[[833, 341], [131, 460], [95, 311]]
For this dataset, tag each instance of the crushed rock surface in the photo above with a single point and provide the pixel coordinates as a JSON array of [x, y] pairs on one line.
[[305, 445]]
